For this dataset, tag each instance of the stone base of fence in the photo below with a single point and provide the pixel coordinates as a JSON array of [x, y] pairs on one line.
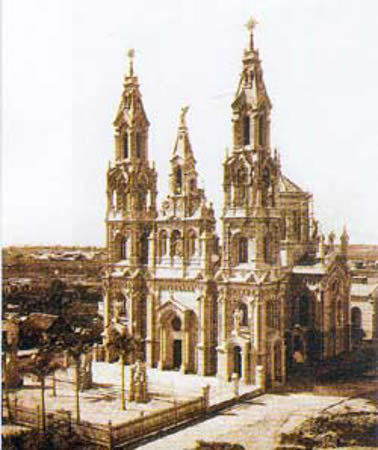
[[109, 436]]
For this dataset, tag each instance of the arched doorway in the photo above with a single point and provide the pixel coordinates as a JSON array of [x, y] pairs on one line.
[[177, 343], [238, 360], [277, 362], [356, 317]]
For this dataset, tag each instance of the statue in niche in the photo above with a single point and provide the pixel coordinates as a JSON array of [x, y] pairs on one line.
[[315, 229], [238, 317]]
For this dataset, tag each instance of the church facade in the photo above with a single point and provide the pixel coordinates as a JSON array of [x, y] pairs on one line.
[[266, 293]]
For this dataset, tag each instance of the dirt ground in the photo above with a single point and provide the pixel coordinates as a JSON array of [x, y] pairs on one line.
[[258, 424], [102, 402]]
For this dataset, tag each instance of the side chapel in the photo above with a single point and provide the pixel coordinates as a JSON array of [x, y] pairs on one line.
[[269, 289]]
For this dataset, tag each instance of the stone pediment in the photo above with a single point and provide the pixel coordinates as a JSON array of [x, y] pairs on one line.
[[172, 304]]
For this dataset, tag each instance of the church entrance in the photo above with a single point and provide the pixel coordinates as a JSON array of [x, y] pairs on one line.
[[177, 353], [238, 361]]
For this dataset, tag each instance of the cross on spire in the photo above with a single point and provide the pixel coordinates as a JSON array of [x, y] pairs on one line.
[[131, 55], [250, 25]]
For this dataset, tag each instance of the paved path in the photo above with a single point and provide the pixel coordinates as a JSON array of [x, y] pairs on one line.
[[255, 424]]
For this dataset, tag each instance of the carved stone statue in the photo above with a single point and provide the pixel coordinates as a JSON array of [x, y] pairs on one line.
[[138, 383], [184, 111], [238, 316]]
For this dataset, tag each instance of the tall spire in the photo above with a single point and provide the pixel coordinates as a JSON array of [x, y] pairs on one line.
[[131, 123]]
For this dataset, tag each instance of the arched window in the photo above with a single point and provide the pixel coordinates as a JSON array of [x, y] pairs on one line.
[[123, 248], [126, 145], [191, 243], [246, 130], [356, 318], [244, 314], [138, 145], [144, 248], [243, 249], [175, 243], [178, 179], [304, 310], [297, 225], [357, 331], [261, 130], [163, 243], [283, 227], [176, 323]]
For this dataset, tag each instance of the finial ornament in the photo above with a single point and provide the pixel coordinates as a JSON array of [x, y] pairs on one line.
[[131, 55], [252, 22], [184, 111], [250, 25]]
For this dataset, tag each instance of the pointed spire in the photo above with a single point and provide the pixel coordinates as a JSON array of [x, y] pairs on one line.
[[344, 242], [182, 147]]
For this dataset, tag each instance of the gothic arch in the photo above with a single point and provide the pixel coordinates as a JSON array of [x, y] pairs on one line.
[[163, 243], [144, 248], [176, 243], [243, 307], [192, 243]]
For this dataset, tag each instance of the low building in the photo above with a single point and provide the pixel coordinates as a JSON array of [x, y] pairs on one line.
[[364, 309]]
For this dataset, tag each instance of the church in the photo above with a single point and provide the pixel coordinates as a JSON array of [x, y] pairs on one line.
[[269, 292]]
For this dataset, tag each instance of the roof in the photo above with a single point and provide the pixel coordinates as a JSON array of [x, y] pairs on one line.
[[316, 269], [287, 186], [185, 299], [363, 290], [40, 321]]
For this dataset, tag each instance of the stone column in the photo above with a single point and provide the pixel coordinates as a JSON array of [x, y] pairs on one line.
[[150, 341], [224, 319], [260, 377], [106, 308], [185, 352], [222, 363], [151, 247], [206, 395], [246, 375], [161, 364], [235, 382], [283, 362]]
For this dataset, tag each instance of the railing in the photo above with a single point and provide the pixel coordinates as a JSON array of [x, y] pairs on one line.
[[23, 415], [165, 418], [109, 435]]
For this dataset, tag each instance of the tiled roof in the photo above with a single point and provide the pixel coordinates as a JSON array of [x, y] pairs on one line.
[[316, 269]]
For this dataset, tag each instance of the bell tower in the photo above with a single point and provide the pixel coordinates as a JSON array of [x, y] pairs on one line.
[[131, 180], [251, 174]]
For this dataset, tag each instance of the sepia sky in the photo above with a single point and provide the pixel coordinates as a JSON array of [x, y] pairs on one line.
[[63, 64]]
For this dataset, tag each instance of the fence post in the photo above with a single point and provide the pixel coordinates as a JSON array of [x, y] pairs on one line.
[[38, 418], [206, 396], [69, 420], [110, 435]]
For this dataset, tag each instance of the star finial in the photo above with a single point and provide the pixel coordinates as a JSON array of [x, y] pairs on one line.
[[130, 55]]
